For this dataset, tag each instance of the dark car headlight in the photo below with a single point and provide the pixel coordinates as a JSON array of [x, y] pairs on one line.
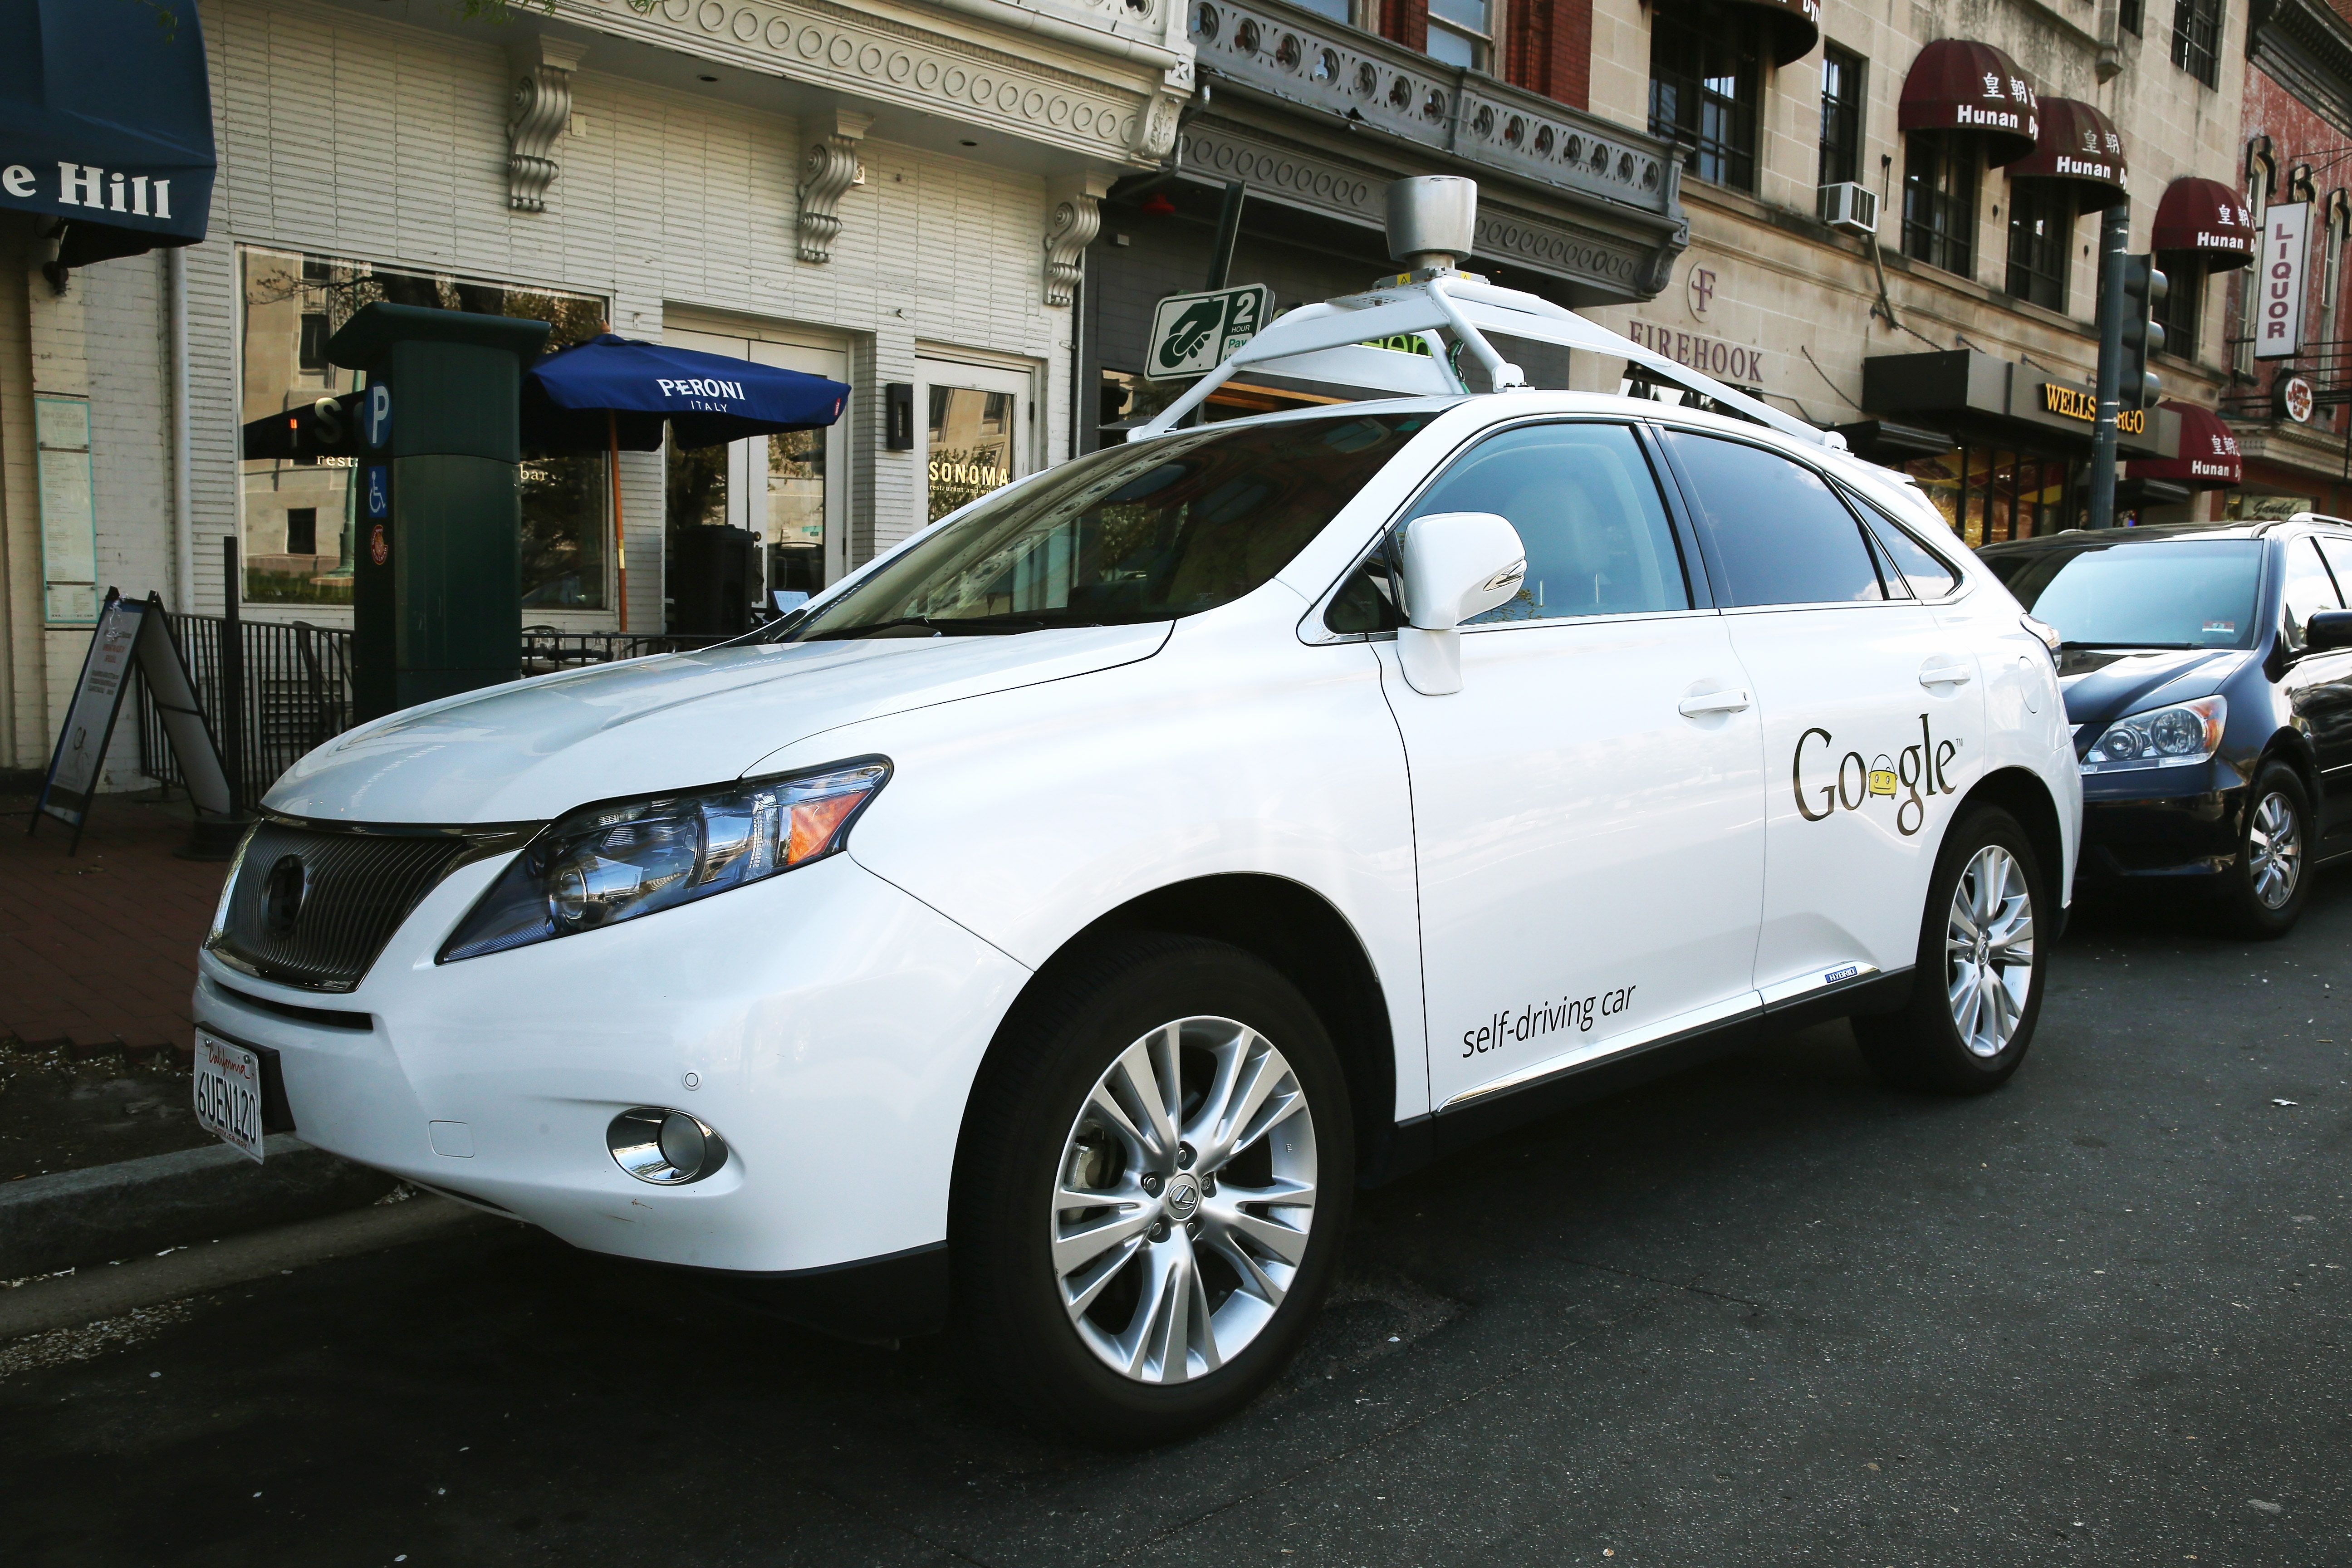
[[605, 863], [2168, 737]]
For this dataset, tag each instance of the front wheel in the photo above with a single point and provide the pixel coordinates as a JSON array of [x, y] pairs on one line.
[[1153, 1189], [1977, 987], [2263, 894]]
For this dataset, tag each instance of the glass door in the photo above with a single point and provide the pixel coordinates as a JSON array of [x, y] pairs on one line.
[[788, 491], [977, 433]]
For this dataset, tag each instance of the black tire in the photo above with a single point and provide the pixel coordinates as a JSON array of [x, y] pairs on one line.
[[1921, 1046], [1020, 1338], [2253, 904]]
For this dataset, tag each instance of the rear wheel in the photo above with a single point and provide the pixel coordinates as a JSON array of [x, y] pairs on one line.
[[2263, 894], [1976, 988], [1152, 1191]]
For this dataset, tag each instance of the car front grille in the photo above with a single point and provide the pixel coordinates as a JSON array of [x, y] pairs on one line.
[[314, 906]]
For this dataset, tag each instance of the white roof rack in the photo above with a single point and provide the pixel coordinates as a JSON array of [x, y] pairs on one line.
[[1332, 343]]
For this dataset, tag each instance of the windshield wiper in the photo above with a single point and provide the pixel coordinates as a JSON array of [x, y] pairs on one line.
[[945, 626], [2172, 646]]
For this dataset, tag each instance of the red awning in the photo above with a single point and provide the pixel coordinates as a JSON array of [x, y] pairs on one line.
[[2080, 148], [2207, 217], [1956, 84], [2208, 453]]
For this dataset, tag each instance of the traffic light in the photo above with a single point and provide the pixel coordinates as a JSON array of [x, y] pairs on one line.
[[2144, 291]]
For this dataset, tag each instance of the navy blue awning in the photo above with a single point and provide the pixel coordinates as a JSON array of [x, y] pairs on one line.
[[106, 121]]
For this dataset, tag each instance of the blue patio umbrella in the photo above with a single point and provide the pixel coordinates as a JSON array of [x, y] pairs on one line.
[[612, 392], [616, 392]]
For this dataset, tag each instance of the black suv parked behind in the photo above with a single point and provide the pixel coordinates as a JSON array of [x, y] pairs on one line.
[[2208, 673]]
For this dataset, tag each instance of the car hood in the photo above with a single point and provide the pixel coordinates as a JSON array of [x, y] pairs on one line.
[[2101, 685], [534, 749]]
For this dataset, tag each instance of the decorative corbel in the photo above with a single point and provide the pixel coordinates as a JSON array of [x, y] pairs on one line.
[[829, 169], [542, 112], [1074, 216]]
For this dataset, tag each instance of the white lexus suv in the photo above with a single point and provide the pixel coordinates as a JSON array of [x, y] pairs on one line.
[[1047, 933]]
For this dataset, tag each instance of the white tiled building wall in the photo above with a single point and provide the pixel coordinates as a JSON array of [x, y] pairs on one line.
[[385, 144]]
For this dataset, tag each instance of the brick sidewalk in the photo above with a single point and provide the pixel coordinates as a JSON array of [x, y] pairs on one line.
[[100, 947]]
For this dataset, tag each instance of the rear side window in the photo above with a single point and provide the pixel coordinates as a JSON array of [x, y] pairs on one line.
[[2339, 560], [2309, 590], [1780, 534], [1587, 508], [1929, 575]]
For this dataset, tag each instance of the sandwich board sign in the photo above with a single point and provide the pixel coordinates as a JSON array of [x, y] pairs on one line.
[[130, 634], [1192, 333]]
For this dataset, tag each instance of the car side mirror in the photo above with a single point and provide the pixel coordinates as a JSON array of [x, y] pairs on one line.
[[2328, 630], [1456, 565]]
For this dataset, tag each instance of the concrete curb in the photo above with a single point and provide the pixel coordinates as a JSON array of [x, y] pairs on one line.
[[96, 1294], [71, 1220]]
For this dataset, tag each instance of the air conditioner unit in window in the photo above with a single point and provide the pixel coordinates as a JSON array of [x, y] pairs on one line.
[[1850, 206]]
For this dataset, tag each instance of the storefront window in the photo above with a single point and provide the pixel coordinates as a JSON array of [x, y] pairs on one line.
[[297, 517], [1939, 200], [1706, 75], [1991, 494], [2041, 236]]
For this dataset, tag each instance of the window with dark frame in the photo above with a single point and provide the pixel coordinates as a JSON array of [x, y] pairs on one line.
[[2041, 235], [1939, 200], [2197, 39], [1707, 76], [1840, 116], [310, 351], [2184, 300], [302, 531], [2128, 16]]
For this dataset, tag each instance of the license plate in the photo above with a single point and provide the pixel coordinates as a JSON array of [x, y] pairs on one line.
[[229, 1094]]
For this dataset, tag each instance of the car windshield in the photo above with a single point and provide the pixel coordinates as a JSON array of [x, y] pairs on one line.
[[2177, 594], [1143, 532]]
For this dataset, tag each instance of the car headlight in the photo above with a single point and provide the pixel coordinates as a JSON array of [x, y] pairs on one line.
[[2169, 737], [605, 863]]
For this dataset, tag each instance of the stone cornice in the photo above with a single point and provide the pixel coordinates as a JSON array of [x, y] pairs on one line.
[[1114, 109], [2308, 49]]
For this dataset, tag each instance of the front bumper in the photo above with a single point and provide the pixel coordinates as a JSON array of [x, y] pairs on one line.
[[833, 1025], [2184, 825]]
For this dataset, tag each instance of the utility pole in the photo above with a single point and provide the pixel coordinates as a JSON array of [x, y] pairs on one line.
[[2114, 235]]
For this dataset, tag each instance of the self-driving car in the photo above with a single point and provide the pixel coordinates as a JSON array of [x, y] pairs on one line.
[[2208, 673], [1042, 933]]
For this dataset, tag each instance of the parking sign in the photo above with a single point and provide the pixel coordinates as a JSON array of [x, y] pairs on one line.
[[1190, 333]]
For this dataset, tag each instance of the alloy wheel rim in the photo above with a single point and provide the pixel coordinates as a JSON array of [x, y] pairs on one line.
[[2274, 850], [1989, 951], [1184, 1200]]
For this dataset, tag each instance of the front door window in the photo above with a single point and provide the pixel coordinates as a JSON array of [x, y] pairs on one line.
[[976, 435]]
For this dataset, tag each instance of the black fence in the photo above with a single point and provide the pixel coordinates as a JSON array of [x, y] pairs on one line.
[[298, 686], [297, 695]]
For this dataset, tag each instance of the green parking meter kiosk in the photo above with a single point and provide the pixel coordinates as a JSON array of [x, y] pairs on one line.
[[437, 585]]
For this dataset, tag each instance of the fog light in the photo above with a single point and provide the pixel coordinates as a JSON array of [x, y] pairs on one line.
[[667, 1148]]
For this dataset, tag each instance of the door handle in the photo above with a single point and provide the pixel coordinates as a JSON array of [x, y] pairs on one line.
[[1946, 674], [1707, 702]]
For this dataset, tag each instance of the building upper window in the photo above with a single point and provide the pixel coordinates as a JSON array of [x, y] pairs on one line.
[[1462, 32], [2129, 15], [1840, 116], [2041, 237], [1939, 200], [1706, 74], [2184, 300], [2197, 39]]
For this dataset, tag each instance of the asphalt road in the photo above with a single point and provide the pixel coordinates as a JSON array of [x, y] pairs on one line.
[[1763, 1312]]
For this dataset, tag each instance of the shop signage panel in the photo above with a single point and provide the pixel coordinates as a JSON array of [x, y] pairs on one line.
[[1190, 333], [2278, 333]]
